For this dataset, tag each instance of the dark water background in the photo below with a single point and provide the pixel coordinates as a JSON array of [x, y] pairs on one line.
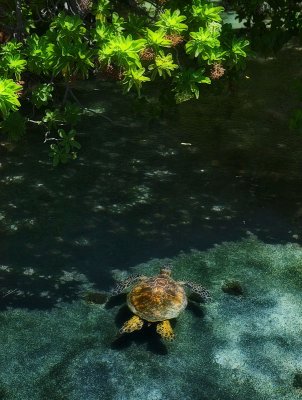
[[206, 171]]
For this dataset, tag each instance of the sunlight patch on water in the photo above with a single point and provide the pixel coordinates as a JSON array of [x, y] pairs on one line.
[[13, 179]]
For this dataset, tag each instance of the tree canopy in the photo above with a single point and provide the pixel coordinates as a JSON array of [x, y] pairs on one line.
[[180, 46]]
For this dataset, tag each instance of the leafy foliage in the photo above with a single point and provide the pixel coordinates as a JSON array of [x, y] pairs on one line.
[[203, 42], [123, 51], [179, 41], [172, 22], [237, 51], [52, 118], [64, 149], [12, 62], [187, 84], [42, 94], [163, 65], [101, 10], [206, 12], [72, 54], [41, 54], [157, 39], [9, 96], [135, 77], [69, 115]]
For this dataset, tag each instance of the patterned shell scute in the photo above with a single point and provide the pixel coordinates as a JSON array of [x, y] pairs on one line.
[[157, 299]]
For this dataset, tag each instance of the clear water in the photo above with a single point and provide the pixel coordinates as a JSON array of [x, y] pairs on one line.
[[144, 188], [206, 172]]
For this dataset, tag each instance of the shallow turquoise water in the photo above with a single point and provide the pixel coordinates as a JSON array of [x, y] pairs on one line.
[[143, 188]]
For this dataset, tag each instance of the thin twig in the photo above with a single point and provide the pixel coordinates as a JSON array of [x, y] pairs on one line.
[[35, 122]]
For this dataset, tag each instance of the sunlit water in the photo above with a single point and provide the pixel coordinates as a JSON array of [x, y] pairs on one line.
[[208, 171]]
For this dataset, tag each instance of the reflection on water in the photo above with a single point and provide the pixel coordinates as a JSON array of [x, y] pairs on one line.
[[206, 172]]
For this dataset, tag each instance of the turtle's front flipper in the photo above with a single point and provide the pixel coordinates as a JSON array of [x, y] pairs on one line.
[[164, 329], [125, 284], [133, 324], [198, 289]]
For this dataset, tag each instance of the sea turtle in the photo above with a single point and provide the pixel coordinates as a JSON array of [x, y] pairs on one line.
[[156, 299]]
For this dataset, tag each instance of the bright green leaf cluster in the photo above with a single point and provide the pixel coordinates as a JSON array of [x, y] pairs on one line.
[[122, 51], [157, 39], [135, 77], [72, 54], [187, 44], [172, 22], [205, 12], [237, 51], [61, 50], [12, 61], [9, 96], [163, 65], [203, 43]]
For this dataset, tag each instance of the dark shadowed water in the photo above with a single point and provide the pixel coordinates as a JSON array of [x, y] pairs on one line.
[[206, 171]]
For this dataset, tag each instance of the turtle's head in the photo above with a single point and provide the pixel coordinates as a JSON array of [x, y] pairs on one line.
[[166, 270]]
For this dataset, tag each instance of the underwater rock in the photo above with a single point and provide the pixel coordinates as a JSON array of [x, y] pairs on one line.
[[237, 347], [232, 287]]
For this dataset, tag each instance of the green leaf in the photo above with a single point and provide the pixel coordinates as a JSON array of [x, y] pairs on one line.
[[206, 12], [236, 52], [122, 51], [67, 26], [135, 77], [238, 46], [52, 118], [62, 150], [117, 23], [172, 22], [41, 54], [9, 93], [103, 32], [186, 84], [163, 65], [13, 65], [10, 48], [42, 94], [157, 39], [101, 10], [202, 43]]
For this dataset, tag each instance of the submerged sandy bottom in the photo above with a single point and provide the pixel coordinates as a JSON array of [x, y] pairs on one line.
[[245, 344]]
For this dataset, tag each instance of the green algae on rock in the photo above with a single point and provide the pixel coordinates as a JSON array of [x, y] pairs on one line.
[[237, 347]]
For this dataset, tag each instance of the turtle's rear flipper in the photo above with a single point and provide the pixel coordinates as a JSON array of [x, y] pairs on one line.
[[133, 324], [164, 329]]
